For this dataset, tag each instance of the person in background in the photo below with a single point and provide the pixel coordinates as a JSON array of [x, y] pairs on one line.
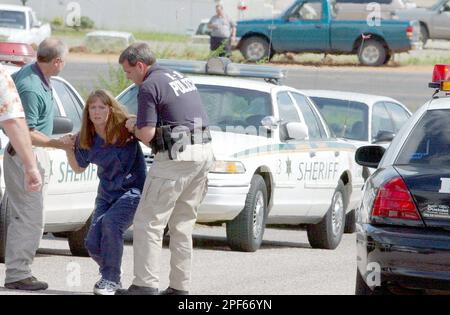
[[223, 32], [104, 141]]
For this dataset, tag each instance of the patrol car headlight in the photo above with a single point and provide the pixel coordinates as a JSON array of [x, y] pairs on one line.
[[228, 167]]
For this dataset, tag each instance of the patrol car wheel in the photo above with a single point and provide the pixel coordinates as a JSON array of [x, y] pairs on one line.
[[350, 222], [4, 221], [77, 239], [372, 53], [245, 232], [256, 48], [327, 234]]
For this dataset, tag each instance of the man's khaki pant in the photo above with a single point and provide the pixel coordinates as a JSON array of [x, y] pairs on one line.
[[26, 215], [172, 193]]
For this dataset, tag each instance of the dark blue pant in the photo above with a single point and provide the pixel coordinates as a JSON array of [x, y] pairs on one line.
[[104, 241]]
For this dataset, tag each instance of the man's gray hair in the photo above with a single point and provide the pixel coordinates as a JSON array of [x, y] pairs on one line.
[[50, 49], [137, 52]]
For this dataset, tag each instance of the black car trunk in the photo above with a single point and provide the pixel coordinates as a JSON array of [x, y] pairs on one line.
[[430, 188]]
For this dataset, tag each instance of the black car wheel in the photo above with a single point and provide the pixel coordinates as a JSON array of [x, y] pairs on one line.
[[327, 234], [77, 239], [245, 232]]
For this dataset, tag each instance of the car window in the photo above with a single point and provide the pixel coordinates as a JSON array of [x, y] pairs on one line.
[[398, 114], [129, 99], [311, 120], [308, 10], [70, 103], [12, 19], [232, 109], [286, 108], [429, 141], [381, 121], [347, 119]]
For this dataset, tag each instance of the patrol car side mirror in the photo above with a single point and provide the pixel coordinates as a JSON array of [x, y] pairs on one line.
[[269, 122], [297, 131], [369, 155], [62, 125]]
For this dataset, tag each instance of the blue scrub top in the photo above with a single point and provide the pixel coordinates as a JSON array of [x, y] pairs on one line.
[[120, 169]]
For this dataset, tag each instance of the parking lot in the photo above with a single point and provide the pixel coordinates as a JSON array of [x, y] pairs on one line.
[[285, 265]]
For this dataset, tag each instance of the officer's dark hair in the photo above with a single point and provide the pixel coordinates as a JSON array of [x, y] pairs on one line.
[[50, 49], [138, 52]]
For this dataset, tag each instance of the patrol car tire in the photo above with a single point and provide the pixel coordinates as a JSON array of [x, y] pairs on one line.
[[77, 238], [246, 231], [256, 48], [350, 222], [324, 234], [372, 53], [4, 221]]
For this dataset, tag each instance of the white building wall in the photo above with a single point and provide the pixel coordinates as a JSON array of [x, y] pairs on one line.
[[172, 16]]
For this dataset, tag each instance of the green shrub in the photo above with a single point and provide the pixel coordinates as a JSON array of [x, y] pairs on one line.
[[115, 82], [86, 23], [57, 21]]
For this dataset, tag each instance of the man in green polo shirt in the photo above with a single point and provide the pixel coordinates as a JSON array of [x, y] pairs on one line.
[[26, 215]]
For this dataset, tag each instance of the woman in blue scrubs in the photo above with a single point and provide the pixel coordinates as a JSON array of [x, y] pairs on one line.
[[104, 141]]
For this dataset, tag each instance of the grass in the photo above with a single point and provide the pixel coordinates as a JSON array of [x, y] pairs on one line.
[[139, 35], [161, 37]]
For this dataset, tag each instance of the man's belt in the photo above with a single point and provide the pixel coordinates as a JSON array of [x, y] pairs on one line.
[[163, 139]]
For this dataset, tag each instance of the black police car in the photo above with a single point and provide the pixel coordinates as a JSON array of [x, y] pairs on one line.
[[403, 222]]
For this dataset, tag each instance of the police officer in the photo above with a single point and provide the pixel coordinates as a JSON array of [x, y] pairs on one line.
[[171, 117]]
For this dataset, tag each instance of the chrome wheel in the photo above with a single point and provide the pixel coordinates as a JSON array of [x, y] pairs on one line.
[[258, 215], [337, 213], [256, 51], [370, 54]]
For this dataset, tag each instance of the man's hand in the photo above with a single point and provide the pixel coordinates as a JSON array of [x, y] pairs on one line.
[[131, 124], [33, 180], [67, 142]]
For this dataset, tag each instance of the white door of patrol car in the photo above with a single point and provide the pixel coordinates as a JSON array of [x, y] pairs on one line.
[[290, 196], [319, 173]]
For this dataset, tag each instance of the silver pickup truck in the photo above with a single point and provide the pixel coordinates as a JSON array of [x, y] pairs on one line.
[[434, 20]]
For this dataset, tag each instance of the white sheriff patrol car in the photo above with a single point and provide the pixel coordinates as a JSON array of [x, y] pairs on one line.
[[70, 197], [277, 161]]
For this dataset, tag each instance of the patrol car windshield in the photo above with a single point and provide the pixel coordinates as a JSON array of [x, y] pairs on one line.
[[12, 19], [235, 107], [429, 142], [346, 119], [230, 109]]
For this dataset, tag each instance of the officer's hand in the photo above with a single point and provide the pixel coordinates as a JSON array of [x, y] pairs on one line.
[[131, 124], [33, 180]]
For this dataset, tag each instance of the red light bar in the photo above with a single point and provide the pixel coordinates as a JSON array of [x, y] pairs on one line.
[[441, 73], [17, 53]]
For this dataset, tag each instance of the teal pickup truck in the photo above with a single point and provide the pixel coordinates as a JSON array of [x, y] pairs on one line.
[[308, 26]]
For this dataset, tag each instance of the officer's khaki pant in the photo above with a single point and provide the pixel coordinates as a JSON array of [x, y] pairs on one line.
[[26, 215], [172, 193]]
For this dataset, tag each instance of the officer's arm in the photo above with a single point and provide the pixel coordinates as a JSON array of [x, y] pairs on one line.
[[145, 134]]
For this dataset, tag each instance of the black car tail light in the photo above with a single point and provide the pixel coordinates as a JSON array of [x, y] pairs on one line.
[[394, 201]]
